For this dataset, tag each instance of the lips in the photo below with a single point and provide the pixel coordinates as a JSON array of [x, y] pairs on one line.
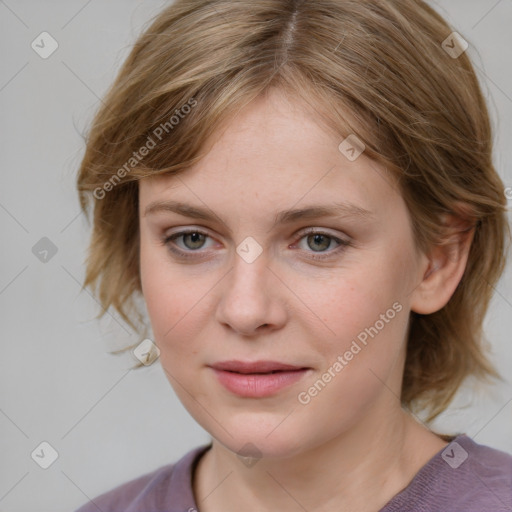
[[256, 367], [258, 379]]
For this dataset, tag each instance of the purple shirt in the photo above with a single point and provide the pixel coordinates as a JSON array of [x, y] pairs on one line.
[[463, 477]]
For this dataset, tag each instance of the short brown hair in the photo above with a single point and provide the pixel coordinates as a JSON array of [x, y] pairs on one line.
[[419, 110]]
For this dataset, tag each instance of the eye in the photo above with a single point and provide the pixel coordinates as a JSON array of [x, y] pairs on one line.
[[319, 241], [193, 240]]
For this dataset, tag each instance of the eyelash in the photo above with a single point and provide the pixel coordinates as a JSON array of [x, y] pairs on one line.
[[168, 241]]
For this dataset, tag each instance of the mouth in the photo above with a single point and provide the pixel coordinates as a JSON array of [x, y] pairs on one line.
[[264, 373], [258, 379], [256, 367]]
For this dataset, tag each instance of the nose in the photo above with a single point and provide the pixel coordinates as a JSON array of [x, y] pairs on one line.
[[252, 298]]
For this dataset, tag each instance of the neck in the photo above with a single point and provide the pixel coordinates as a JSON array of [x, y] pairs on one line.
[[361, 469]]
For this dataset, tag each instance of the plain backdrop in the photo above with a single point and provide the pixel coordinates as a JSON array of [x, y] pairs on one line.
[[58, 384]]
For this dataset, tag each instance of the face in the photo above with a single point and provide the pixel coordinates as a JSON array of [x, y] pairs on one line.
[[329, 294]]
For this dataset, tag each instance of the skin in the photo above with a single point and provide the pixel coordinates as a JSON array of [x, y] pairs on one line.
[[352, 447]]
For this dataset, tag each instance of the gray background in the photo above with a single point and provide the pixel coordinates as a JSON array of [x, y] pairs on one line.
[[57, 382]]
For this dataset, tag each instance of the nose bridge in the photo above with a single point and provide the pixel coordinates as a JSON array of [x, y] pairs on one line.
[[249, 298], [249, 276]]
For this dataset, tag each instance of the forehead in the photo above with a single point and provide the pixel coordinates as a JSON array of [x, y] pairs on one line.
[[274, 153]]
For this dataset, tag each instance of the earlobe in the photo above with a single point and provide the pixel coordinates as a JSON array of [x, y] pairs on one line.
[[444, 267]]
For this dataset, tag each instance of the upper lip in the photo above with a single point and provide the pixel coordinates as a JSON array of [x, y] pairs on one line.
[[254, 366]]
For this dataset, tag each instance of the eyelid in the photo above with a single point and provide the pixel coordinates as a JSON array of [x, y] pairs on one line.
[[319, 231]]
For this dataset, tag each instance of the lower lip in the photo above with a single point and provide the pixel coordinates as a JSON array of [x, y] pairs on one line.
[[258, 385]]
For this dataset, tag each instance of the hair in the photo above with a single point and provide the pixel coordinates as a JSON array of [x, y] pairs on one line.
[[377, 69]]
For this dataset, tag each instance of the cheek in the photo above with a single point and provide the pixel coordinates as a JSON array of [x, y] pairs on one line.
[[165, 292], [153, 284], [177, 305], [353, 301], [364, 352], [364, 321]]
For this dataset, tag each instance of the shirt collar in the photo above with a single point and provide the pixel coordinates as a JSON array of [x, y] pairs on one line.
[[179, 496]]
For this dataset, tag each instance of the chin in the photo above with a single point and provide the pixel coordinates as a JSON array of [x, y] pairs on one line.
[[252, 441]]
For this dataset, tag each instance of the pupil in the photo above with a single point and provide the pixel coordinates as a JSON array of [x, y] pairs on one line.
[[318, 239], [195, 237]]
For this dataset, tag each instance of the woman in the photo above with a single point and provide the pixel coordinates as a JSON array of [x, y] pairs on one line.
[[304, 196]]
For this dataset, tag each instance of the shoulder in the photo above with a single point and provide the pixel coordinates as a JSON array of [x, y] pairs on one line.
[[486, 475], [160, 488], [137, 490], [463, 477]]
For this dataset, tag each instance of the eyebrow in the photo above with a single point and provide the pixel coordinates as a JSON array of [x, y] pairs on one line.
[[342, 210]]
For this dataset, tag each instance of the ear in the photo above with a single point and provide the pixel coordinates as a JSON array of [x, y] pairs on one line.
[[443, 267]]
